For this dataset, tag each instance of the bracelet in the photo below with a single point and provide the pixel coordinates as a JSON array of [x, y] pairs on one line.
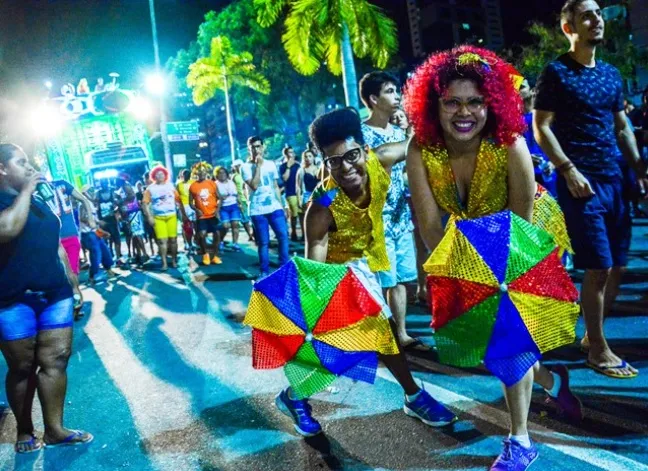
[[565, 167]]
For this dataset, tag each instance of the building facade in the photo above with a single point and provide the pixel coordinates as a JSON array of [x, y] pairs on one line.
[[441, 24]]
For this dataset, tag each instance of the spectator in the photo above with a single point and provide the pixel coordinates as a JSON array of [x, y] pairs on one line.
[[243, 198], [108, 203], [380, 93], [98, 251], [131, 213], [399, 119], [99, 86], [204, 201], [543, 168], [82, 87], [188, 228], [230, 210], [149, 232], [307, 179], [35, 305], [160, 201], [579, 121], [64, 194], [261, 177], [288, 171]]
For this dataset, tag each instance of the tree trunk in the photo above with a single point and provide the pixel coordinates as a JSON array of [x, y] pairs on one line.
[[348, 70], [228, 116]]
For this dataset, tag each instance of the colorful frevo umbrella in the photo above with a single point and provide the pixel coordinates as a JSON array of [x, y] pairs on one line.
[[319, 321], [500, 295]]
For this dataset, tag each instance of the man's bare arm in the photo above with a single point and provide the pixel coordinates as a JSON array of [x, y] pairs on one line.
[[391, 154], [317, 223]]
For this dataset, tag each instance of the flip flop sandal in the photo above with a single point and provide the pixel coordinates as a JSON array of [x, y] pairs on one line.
[[416, 346], [72, 439], [609, 370], [36, 445]]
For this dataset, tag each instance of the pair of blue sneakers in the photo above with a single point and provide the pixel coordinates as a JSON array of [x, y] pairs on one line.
[[424, 407]]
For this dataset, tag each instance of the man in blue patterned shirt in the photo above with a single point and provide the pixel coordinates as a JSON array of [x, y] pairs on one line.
[[380, 94], [580, 123]]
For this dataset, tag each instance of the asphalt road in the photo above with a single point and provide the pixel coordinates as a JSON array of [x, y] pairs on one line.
[[161, 374]]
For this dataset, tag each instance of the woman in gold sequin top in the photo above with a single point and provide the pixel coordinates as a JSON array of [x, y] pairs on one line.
[[468, 160]]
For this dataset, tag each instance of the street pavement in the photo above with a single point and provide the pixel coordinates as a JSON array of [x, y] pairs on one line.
[[161, 373]]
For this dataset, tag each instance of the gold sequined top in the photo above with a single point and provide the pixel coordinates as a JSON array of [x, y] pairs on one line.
[[488, 191], [360, 232]]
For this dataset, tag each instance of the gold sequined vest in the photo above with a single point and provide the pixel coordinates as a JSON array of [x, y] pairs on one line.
[[488, 191], [360, 232]]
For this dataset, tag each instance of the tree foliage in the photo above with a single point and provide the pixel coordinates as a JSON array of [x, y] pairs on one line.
[[294, 99], [314, 30], [222, 70]]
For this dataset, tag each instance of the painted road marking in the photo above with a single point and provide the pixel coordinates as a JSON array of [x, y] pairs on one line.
[[598, 457]]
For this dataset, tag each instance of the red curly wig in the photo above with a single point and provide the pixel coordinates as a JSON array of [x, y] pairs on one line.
[[494, 78], [156, 169]]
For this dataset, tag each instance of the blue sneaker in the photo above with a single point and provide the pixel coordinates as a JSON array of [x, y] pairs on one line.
[[428, 410], [300, 412], [515, 457]]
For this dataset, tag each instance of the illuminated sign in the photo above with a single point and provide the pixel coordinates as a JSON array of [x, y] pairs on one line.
[[183, 131]]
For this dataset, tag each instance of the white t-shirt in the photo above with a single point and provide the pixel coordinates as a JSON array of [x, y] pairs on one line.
[[227, 192], [263, 200]]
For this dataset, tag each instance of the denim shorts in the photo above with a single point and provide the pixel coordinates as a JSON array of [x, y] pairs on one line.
[[32, 314], [231, 212], [402, 259], [599, 226]]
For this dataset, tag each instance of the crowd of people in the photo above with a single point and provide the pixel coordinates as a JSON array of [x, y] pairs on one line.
[[467, 140]]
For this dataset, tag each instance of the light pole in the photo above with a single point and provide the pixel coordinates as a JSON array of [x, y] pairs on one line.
[[163, 118]]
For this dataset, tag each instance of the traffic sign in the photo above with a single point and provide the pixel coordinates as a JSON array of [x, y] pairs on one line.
[[183, 131]]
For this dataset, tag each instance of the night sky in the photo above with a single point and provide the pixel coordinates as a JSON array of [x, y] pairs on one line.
[[64, 40]]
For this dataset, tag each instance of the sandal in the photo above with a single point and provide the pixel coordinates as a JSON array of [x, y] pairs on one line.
[[609, 371], [34, 442], [416, 345], [77, 437]]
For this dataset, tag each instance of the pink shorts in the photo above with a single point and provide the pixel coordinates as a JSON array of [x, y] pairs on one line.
[[72, 246]]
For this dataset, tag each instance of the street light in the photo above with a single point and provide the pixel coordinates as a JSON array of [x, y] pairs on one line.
[[140, 108], [48, 84], [163, 118], [46, 122], [155, 84]]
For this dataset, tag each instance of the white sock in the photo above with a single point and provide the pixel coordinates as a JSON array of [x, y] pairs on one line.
[[413, 397], [523, 440], [553, 392]]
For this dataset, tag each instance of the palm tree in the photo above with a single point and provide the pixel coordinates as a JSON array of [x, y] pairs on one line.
[[223, 69], [332, 31]]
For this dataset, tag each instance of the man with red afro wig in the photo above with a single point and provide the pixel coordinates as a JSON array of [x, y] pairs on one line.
[[468, 160]]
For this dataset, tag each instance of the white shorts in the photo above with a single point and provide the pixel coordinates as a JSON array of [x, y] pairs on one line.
[[371, 281]]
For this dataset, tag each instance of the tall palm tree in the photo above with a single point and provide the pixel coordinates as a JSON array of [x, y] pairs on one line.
[[223, 69], [332, 31]]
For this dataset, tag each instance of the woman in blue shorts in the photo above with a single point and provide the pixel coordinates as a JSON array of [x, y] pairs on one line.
[[230, 206], [35, 305]]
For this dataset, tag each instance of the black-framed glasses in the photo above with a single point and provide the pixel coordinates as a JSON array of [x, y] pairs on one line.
[[351, 156]]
